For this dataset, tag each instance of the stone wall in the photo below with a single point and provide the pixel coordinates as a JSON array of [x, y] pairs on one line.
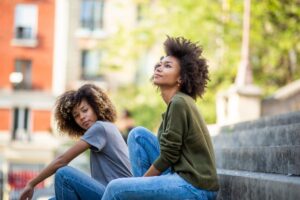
[[239, 104], [286, 99], [260, 159]]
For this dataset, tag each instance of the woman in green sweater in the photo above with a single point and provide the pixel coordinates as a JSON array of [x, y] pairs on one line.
[[179, 163]]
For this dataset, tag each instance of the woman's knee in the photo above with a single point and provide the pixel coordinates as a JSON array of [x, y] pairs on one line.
[[63, 171], [116, 187], [137, 132]]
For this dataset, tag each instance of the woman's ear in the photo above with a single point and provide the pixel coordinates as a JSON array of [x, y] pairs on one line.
[[179, 82]]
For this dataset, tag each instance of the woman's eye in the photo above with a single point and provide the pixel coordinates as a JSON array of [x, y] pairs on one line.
[[156, 66]]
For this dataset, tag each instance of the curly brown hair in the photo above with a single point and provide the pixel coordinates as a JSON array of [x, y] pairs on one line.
[[193, 67], [94, 96]]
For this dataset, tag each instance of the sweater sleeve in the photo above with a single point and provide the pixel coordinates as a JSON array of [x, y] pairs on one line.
[[171, 138]]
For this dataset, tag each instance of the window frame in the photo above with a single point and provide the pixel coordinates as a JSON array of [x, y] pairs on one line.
[[89, 18], [25, 28]]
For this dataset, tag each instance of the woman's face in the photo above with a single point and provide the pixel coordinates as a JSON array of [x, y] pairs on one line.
[[84, 115], [167, 72]]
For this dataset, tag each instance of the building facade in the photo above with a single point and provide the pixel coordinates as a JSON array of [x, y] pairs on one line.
[[26, 90], [47, 47], [89, 24]]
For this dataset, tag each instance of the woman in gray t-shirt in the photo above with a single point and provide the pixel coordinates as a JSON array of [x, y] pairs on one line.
[[88, 114]]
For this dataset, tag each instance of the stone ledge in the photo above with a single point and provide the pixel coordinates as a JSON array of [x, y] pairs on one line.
[[276, 159], [267, 136], [284, 119], [250, 185]]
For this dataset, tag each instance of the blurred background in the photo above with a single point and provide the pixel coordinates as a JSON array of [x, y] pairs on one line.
[[50, 46]]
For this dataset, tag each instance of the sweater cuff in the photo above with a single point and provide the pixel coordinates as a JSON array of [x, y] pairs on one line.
[[160, 164]]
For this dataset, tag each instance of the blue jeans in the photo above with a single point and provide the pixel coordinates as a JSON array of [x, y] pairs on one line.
[[143, 151], [71, 183]]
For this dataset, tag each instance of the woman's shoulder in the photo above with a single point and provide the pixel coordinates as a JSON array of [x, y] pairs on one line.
[[103, 127], [181, 99], [96, 127], [107, 126], [103, 124], [97, 124]]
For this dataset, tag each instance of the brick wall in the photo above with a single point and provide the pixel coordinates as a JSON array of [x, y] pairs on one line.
[[41, 120], [5, 116], [41, 55]]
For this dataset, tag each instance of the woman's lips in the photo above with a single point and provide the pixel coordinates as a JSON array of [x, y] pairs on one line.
[[157, 76]]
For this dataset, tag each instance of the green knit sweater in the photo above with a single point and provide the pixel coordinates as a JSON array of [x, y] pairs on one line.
[[185, 144]]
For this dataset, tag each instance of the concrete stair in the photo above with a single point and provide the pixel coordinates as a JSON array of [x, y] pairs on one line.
[[278, 135], [290, 118], [260, 159], [242, 185]]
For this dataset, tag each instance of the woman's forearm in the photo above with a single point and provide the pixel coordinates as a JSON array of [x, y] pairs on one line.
[[46, 172], [60, 161], [152, 171]]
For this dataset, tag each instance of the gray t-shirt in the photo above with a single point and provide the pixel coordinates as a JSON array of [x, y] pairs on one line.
[[109, 153]]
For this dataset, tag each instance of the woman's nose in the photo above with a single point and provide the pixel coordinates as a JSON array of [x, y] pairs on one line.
[[158, 68], [81, 116]]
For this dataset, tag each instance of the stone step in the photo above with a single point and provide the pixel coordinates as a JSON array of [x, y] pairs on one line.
[[267, 136], [289, 118], [273, 159], [257, 186]]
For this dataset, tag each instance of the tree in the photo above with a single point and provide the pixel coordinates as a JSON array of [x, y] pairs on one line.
[[217, 25]]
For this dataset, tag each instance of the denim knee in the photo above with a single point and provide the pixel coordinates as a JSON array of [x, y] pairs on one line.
[[115, 187], [136, 132], [62, 171]]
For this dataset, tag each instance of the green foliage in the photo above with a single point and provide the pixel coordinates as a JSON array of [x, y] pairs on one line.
[[275, 42], [217, 26], [143, 101]]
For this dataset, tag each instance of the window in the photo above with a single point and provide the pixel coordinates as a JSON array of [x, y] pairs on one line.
[[25, 21], [21, 78], [20, 123], [90, 64], [91, 16]]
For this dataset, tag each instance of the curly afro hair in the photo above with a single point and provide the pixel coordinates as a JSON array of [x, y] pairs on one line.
[[193, 67], [94, 96]]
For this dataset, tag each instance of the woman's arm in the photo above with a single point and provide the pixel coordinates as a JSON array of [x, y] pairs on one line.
[[171, 138], [57, 163], [152, 171]]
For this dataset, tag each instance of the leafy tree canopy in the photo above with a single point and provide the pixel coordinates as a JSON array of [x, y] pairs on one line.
[[217, 26]]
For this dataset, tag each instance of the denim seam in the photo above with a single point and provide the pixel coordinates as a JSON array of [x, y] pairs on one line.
[[142, 137], [127, 191], [190, 189], [67, 179], [72, 179], [138, 139]]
